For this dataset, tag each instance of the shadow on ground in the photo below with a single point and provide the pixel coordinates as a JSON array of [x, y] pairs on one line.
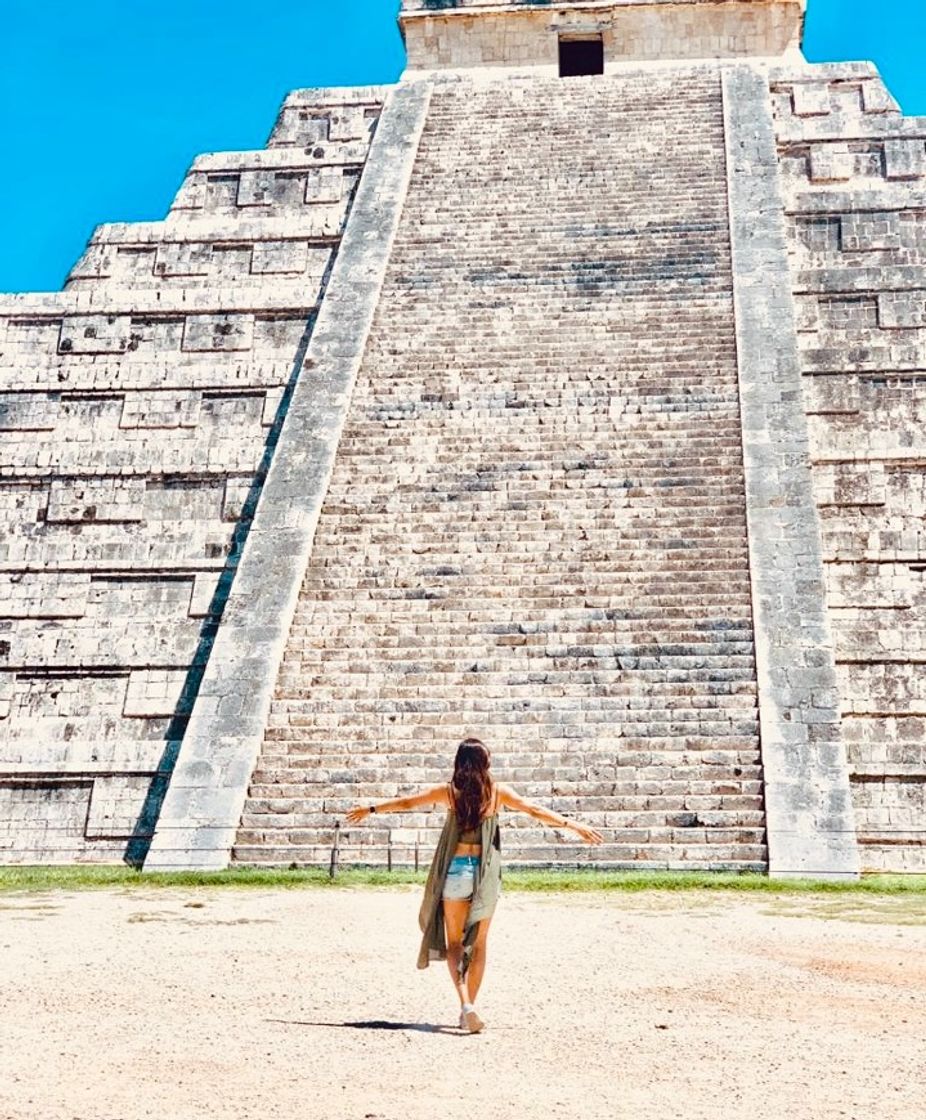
[[375, 1025]]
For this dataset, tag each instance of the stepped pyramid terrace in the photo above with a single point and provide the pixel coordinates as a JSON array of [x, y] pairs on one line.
[[569, 392]]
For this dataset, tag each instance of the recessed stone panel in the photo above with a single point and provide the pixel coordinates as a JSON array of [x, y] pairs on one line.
[[95, 334], [219, 333]]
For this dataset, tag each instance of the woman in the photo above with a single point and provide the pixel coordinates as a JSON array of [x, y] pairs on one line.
[[465, 877]]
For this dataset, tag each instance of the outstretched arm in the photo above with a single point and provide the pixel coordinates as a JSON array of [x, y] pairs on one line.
[[437, 795], [519, 804]]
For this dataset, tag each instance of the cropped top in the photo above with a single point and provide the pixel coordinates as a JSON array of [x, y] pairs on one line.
[[472, 835]]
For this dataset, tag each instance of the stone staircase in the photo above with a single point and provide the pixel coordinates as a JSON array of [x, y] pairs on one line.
[[535, 530]]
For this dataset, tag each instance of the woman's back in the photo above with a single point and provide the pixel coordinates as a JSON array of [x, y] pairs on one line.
[[473, 834]]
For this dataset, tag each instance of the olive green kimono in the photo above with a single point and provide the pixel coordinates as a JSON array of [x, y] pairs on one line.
[[486, 890]]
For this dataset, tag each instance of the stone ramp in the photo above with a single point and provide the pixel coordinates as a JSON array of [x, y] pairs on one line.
[[535, 529]]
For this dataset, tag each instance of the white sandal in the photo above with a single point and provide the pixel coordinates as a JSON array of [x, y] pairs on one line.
[[471, 1022]]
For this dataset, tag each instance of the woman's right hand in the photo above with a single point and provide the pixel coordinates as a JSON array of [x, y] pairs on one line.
[[356, 816]]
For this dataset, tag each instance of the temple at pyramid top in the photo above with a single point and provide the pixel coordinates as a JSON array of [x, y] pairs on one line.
[[572, 37]]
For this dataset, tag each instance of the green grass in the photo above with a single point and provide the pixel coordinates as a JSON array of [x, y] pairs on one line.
[[94, 878]]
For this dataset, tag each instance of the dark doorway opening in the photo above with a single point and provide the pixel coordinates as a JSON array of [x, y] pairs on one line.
[[581, 56]]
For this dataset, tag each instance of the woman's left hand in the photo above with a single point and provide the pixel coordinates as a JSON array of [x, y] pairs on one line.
[[589, 835], [356, 816]]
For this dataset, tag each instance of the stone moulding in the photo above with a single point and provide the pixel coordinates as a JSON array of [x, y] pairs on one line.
[[203, 804], [463, 7], [463, 35], [809, 815]]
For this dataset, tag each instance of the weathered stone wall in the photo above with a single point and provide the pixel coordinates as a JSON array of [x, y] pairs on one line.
[[469, 34], [854, 175], [138, 411], [535, 528]]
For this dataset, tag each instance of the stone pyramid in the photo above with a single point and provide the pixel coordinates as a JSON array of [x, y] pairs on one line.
[[569, 392]]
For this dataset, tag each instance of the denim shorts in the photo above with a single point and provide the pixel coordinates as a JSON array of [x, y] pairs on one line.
[[461, 878]]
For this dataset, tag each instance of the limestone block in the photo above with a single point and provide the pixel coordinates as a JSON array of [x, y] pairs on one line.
[[95, 500], [29, 336], [904, 159], [177, 258], [272, 401], [831, 163], [816, 234], [160, 410], [115, 806], [902, 310], [95, 262], [49, 709], [844, 314], [347, 123], [7, 691], [281, 333], [132, 263], [811, 99], [229, 264], [45, 820], [807, 313], [95, 334], [154, 692], [279, 257], [52, 595], [256, 188], [300, 126], [218, 332], [192, 194], [29, 412], [872, 585], [877, 99], [236, 494], [327, 184], [846, 484], [204, 588], [870, 232], [883, 687]]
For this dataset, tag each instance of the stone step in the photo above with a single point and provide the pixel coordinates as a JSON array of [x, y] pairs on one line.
[[637, 857], [324, 762], [276, 808], [486, 610], [727, 830], [558, 565], [618, 714], [703, 587], [440, 651], [293, 770], [732, 792], [607, 680]]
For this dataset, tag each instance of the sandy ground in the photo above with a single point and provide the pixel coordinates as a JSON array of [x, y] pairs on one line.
[[222, 1004]]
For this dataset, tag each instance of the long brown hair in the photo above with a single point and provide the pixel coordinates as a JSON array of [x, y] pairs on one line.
[[471, 783]]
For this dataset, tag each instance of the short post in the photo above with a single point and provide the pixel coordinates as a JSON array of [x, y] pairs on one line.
[[333, 869], [389, 852]]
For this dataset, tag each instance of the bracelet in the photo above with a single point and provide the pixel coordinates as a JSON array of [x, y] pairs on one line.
[[372, 808]]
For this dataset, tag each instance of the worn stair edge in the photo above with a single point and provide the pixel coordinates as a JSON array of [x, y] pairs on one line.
[[202, 808], [810, 820]]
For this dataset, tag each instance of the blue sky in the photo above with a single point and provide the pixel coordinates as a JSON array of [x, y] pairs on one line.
[[104, 103]]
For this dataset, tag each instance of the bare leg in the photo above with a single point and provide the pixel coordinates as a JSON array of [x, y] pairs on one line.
[[477, 964], [454, 920]]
